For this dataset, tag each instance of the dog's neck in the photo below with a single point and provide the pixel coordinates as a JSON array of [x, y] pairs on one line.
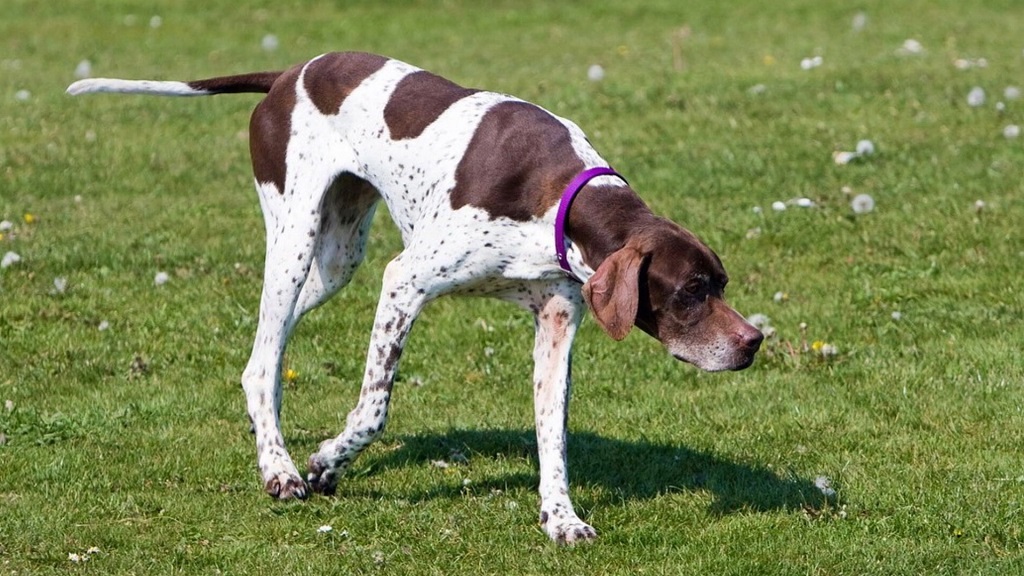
[[604, 218]]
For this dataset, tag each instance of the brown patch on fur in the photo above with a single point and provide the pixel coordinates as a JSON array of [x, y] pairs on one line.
[[259, 82], [270, 129], [517, 163], [418, 100], [332, 77]]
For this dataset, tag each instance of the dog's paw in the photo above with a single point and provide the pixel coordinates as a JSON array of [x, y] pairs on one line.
[[568, 530], [286, 486], [322, 477]]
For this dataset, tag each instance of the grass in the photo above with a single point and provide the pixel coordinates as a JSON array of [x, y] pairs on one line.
[[133, 439]]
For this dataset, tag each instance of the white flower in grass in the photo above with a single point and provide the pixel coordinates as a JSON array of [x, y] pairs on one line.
[[825, 485], [84, 69], [910, 47], [757, 210], [804, 202], [865, 148], [595, 73], [161, 278], [6, 225], [60, 284], [759, 320], [156, 22], [1011, 131], [324, 529], [9, 259], [897, 315], [1011, 93], [860, 20], [90, 136], [862, 204], [811, 63], [976, 97], [22, 95], [9, 405], [778, 205], [780, 297], [74, 558], [270, 43], [104, 325], [843, 157]]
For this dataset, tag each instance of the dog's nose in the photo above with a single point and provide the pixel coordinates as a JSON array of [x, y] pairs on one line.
[[751, 339]]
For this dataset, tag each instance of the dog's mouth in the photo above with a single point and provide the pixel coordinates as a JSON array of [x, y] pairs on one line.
[[742, 363]]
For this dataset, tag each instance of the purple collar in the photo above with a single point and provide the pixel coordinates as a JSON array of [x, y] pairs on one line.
[[561, 218]]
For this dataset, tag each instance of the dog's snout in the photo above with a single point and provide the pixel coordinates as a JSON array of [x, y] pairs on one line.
[[751, 339]]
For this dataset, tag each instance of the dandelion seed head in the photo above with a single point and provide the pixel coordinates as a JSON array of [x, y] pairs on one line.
[[1011, 131], [759, 320], [1011, 93], [811, 63], [823, 484], [843, 157], [269, 43], [104, 325], [161, 278], [9, 259], [83, 70], [595, 73], [897, 315], [976, 97], [865, 148], [860, 21], [862, 204], [60, 284], [22, 95], [910, 47], [156, 22]]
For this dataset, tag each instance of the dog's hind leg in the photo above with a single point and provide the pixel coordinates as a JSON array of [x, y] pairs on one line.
[[345, 217], [299, 234]]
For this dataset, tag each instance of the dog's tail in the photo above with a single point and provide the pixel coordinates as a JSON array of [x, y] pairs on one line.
[[257, 82]]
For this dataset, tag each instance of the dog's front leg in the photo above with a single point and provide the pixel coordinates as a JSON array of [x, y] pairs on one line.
[[557, 315], [401, 300]]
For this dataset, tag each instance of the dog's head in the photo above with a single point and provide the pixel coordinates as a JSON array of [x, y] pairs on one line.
[[670, 285]]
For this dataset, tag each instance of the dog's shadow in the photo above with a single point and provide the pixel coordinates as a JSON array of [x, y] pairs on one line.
[[618, 469]]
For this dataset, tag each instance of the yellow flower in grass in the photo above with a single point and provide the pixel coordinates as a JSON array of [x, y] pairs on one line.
[[291, 375], [30, 218], [824, 348]]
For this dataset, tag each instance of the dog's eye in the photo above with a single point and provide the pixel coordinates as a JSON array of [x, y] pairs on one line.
[[696, 288]]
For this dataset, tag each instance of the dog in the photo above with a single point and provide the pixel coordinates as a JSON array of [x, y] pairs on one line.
[[479, 184]]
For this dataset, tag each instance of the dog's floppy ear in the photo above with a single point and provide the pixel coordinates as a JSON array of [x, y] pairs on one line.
[[613, 292]]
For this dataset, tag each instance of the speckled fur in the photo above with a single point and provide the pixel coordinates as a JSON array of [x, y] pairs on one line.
[[324, 154]]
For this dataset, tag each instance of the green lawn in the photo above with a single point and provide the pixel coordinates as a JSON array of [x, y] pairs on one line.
[[124, 436]]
